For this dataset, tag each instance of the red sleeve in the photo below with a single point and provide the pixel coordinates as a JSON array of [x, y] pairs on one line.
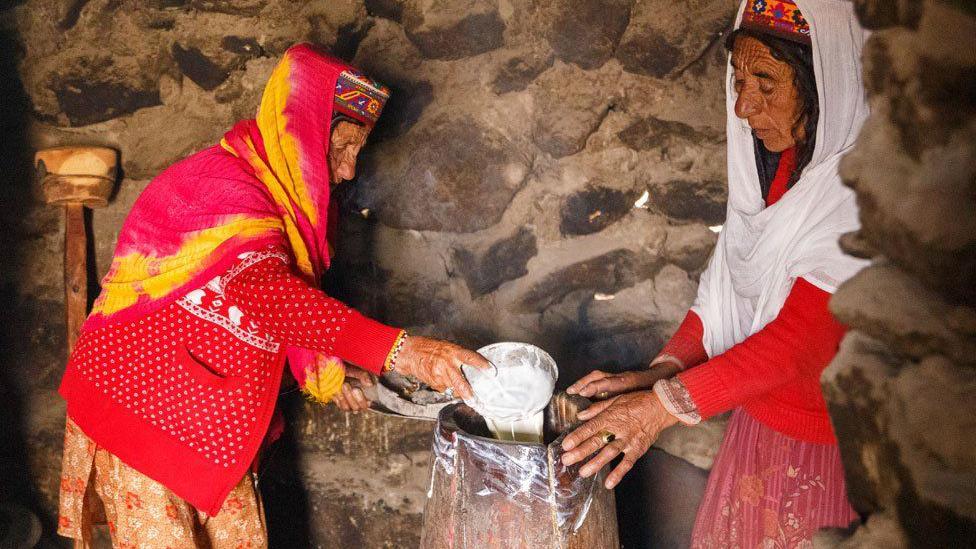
[[686, 343], [303, 316], [800, 341]]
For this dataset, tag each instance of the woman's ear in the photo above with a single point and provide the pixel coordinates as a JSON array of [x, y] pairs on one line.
[[800, 128]]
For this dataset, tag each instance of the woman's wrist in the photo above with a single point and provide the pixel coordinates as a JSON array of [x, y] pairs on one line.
[[391, 360], [668, 419], [658, 417], [651, 376]]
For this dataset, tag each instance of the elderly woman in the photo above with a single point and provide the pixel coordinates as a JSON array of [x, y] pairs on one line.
[[759, 333], [171, 387]]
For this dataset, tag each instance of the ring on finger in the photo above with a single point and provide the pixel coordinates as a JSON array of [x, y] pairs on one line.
[[449, 392], [602, 395], [606, 436]]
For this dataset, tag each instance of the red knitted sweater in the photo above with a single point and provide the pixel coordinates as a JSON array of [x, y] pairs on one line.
[[775, 373], [185, 394]]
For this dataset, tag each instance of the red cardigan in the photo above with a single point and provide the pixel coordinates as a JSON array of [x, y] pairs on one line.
[[185, 394], [775, 373]]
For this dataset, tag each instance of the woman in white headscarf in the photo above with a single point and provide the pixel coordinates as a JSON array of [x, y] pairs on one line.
[[759, 333]]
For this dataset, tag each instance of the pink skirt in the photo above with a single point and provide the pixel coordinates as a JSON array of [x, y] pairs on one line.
[[768, 490]]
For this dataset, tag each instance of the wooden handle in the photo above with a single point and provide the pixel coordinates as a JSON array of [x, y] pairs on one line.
[[75, 271]]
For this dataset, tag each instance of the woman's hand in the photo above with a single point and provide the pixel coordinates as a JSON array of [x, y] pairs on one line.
[[351, 397], [631, 422], [438, 364], [601, 385]]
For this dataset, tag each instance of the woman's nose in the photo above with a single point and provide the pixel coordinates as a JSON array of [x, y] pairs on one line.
[[746, 104]]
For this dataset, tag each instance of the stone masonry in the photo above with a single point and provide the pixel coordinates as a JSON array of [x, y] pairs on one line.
[[496, 200], [902, 391]]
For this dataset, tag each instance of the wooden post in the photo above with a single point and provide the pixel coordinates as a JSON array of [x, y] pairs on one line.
[[75, 271], [76, 177]]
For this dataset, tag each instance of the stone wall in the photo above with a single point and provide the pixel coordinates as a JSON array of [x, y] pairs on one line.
[[496, 200], [902, 391]]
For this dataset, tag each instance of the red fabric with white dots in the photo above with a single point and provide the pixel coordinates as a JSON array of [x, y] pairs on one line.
[[185, 394], [306, 317]]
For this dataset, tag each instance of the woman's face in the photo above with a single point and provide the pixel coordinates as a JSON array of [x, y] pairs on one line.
[[766, 95], [347, 139]]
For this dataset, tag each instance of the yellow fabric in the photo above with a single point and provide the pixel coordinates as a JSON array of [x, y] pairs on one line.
[[132, 275], [288, 186], [324, 381]]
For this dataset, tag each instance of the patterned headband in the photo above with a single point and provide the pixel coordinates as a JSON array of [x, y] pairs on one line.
[[780, 18], [360, 97]]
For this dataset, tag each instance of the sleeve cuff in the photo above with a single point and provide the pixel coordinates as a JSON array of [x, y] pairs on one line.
[[366, 343], [676, 400], [707, 389]]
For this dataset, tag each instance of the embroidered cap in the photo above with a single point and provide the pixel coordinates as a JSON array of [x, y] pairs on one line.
[[360, 97], [776, 17]]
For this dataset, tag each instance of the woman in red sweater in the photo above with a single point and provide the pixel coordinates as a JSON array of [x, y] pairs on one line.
[[171, 386], [759, 333]]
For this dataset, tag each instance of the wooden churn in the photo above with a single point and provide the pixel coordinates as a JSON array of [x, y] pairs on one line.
[[487, 493]]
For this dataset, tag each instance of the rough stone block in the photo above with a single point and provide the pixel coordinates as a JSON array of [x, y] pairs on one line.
[[586, 32], [389, 9], [386, 52], [87, 101], [198, 67], [883, 408], [594, 209], [879, 14], [881, 531], [691, 200], [663, 38], [689, 246], [242, 45], [519, 71], [659, 301], [607, 273], [917, 326], [581, 349], [855, 390], [454, 175], [232, 7], [916, 204], [570, 105], [503, 261], [697, 445], [453, 30], [654, 133], [91, 89]]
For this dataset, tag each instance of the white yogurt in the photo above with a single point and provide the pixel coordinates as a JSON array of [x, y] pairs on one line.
[[513, 396]]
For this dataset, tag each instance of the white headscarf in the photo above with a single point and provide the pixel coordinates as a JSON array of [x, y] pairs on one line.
[[761, 251]]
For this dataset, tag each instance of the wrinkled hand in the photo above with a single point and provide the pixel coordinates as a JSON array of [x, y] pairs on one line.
[[635, 419], [438, 364], [351, 397], [602, 385]]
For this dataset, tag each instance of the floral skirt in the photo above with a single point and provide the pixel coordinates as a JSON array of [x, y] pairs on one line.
[[97, 488], [768, 490]]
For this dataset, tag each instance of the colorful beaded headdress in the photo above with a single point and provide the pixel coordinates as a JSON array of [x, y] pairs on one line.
[[360, 97], [779, 18]]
